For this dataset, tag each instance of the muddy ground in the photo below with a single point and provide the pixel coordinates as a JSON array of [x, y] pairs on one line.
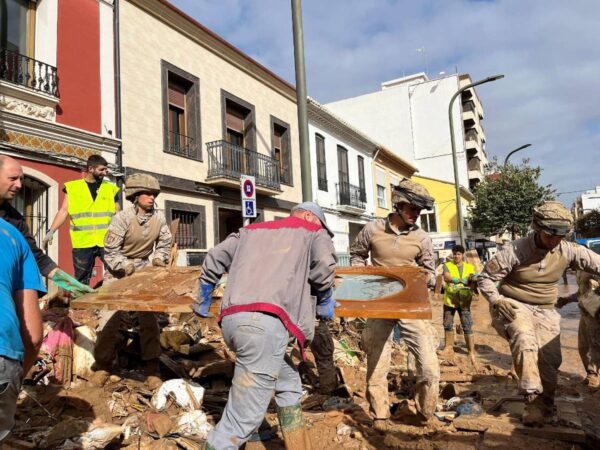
[[341, 423]]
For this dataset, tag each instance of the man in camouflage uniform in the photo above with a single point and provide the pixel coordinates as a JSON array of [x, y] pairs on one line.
[[523, 305], [588, 341], [134, 235], [396, 241]]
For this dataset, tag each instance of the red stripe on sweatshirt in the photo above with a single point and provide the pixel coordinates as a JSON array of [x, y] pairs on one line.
[[288, 222]]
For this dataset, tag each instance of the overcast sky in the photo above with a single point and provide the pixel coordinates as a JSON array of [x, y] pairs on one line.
[[549, 52]]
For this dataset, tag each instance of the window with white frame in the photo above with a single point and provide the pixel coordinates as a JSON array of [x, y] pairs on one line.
[[428, 221], [381, 188]]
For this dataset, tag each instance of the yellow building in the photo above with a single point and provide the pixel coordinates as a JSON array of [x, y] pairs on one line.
[[388, 170], [442, 222]]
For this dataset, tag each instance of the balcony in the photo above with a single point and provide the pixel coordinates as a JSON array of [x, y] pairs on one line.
[[182, 145], [227, 162], [28, 72], [351, 197]]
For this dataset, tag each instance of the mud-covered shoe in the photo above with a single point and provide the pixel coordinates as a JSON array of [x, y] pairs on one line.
[[99, 377], [152, 372], [381, 425], [536, 411]]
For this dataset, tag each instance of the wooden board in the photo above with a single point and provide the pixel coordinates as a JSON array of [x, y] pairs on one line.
[[172, 290]]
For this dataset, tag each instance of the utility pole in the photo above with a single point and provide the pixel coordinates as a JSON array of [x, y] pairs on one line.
[[515, 151], [461, 229], [301, 100]]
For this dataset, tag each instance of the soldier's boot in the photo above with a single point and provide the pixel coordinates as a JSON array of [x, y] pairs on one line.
[[152, 372], [537, 409], [592, 380], [295, 434], [100, 375], [448, 351], [381, 425], [470, 341]]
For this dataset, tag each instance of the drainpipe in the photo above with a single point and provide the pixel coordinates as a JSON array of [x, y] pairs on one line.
[[117, 56]]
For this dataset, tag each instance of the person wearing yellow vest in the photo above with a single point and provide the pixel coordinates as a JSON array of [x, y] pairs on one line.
[[457, 298], [89, 203]]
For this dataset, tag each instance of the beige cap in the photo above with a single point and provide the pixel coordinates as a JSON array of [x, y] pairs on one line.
[[140, 182], [413, 193]]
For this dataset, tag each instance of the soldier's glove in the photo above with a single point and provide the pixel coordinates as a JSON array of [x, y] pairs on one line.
[[68, 283], [505, 309], [129, 269], [158, 262], [48, 238], [202, 305], [326, 305], [563, 301]]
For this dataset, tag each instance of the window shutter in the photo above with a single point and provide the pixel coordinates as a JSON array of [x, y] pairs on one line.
[[176, 96], [380, 177], [235, 120]]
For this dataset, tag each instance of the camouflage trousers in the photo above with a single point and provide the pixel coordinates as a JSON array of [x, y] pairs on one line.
[[534, 340], [419, 337], [589, 343]]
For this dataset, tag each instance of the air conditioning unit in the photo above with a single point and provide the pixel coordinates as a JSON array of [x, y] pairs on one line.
[[190, 257]]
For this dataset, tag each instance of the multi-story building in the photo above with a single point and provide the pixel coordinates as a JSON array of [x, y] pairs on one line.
[[57, 101], [198, 113], [410, 116], [343, 167], [587, 202]]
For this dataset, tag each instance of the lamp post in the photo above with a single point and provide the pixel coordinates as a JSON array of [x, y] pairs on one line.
[[515, 151], [461, 231]]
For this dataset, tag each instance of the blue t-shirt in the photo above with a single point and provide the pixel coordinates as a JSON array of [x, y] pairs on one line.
[[18, 271]]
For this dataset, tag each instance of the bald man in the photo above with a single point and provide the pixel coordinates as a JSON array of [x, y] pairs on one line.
[[11, 182]]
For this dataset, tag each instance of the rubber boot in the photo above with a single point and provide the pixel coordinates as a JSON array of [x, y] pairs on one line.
[[536, 410], [448, 351], [152, 372], [470, 341], [291, 421]]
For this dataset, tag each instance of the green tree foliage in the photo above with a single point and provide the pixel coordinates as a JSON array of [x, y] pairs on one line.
[[588, 225], [505, 199]]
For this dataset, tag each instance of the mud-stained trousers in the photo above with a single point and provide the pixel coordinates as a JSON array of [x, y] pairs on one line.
[[262, 367], [419, 336], [589, 343], [534, 340], [322, 348]]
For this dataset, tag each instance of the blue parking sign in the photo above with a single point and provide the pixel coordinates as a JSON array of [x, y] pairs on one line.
[[249, 208]]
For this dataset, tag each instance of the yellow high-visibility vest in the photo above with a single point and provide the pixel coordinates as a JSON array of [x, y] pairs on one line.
[[90, 218], [458, 294]]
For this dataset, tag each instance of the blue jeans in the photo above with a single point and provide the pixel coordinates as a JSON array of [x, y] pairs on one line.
[[84, 260], [466, 319], [11, 374], [262, 367]]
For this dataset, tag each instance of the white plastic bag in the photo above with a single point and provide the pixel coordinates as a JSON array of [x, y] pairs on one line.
[[178, 388]]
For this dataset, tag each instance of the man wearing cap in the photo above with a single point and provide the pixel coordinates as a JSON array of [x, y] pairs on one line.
[[276, 269], [137, 237], [522, 306], [397, 241]]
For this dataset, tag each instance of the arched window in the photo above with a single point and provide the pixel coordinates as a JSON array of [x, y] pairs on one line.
[[32, 202]]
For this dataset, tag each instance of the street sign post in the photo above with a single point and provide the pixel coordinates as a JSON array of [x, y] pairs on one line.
[[248, 197]]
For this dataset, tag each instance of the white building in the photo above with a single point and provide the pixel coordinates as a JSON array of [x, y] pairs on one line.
[[587, 202], [410, 116]]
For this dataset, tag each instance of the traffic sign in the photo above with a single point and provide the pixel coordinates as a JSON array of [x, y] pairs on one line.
[[248, 196]]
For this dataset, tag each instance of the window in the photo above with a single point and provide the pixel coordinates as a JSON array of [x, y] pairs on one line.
[[381, 196], [191, 231], [343, 165], [280, 141], [321, 164], [181, 113], [17, 31], [238, 122], [361, 179], [429, 221]]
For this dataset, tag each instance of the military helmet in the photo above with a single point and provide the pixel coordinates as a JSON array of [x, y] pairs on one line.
[[137, 183], [553, 218], [408, 191]]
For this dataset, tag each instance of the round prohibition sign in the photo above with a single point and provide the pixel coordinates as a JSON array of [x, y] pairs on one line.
[[248, 188]]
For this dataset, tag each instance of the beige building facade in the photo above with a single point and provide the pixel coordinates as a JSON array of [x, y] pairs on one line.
[[197, 113]]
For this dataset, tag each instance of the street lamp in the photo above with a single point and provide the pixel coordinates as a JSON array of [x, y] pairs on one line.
[[515, 151], [461, 231]]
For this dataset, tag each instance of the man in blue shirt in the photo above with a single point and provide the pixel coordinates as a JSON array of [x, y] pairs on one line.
[[20, 319]]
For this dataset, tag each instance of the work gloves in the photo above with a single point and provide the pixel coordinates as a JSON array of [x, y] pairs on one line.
[[68, 283], [202, 305], [158, 262], [48, 238], [326, 305], [505, 309], [563, 301]]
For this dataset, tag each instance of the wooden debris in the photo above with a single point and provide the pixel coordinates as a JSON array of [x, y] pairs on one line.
[[567, 414]]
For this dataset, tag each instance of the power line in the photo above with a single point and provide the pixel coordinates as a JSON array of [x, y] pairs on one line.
[[574, 192]]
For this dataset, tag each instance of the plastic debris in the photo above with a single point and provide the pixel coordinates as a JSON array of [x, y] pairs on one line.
[[187, 394], [469, 408], [100, 436], [193, 423]]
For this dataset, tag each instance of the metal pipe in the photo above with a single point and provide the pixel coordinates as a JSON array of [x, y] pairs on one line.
[[461, 231], [515, 151], [301, 99], [117, 62]]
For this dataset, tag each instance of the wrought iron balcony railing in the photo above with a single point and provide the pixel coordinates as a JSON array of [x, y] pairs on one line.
[[230, 161], [351, 195], [31, 73], [182, 145]]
